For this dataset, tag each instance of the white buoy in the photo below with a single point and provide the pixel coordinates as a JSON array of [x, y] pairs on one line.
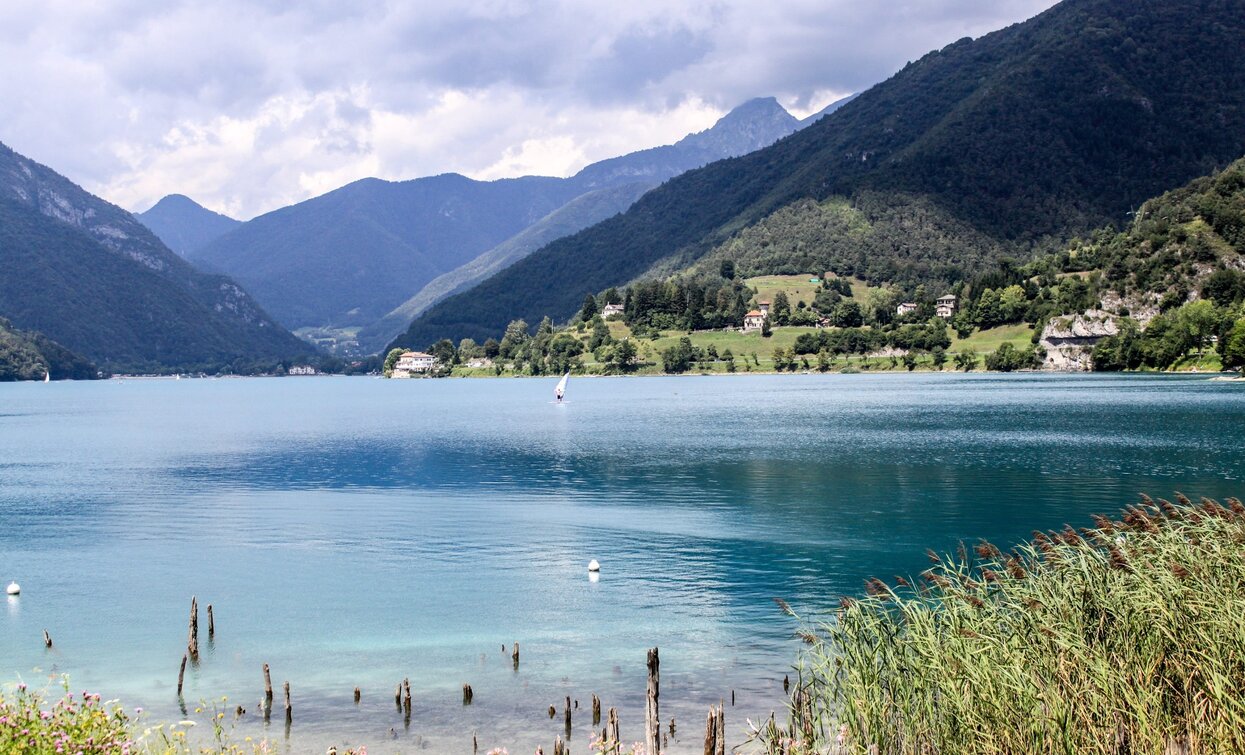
[[593, 565], [13, 589]]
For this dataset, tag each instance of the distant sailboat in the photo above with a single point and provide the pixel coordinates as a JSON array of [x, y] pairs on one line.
[[560, 391], [47, 376]]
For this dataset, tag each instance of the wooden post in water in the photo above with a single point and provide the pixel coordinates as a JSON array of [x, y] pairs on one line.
[[611, 726], [357, 694], [289, 710], [397, 696], [467, 694], [267, 690], [596, 710], [192, 644], [711, 731], [553, 711], [515, 656], [558, 748], [721, 729], [475, 744], [211, 623], [47, 639], [652, 719], [568, 716], [786, 684], [406, 697], [181, 675]]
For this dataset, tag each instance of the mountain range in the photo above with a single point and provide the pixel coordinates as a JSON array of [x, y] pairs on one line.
[[374, 254], [1007, 145], [87, 275]]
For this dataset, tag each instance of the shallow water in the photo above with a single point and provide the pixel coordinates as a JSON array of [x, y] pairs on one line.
[[354, 531]]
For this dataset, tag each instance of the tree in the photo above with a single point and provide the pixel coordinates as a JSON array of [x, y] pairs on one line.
[[600, 334], [727, 269], [1199, 320], [516, 336], [939, 355], [1232, 347], [390, 360], [589, 308], [966, 360], [445, 352], [780, 308], [1008, 358], [847, 315], [909, 361], [491, 348], [678, 358], [728, 356], [766, 330], [623, 359]]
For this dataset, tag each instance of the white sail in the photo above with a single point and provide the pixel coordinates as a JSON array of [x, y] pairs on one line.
[[560, 391], [47, 376]]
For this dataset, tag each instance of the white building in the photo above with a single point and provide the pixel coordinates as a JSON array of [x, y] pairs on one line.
[[411, 362], [754, 320], [302, 369], [611, 310], [906, 308], [945, 306]]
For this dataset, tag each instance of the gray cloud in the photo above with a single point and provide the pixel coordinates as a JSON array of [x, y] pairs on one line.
[[251, 105]]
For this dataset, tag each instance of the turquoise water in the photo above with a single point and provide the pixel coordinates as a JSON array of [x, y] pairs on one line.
[[354, 531]]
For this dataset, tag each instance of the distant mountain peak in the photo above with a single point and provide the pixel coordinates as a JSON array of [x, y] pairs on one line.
[[184, 225]]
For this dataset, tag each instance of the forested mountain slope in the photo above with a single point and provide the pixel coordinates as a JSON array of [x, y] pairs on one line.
[[1005, 145]]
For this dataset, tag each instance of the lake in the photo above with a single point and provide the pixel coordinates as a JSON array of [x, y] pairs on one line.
[[356, 531]]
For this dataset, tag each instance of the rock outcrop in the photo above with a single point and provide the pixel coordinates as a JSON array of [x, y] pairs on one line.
[[1069, 341]]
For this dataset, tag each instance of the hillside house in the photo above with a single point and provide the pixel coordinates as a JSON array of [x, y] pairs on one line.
[[611, 310], [764, 307], [906, 308], [754, 320], [945, 306], [412, 362]]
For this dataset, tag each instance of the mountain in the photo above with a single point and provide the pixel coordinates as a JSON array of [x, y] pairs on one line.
[[356, 256], [1007, 145], [184, 225], [86, 274], [577, 214], [31, 356], [828, 109]]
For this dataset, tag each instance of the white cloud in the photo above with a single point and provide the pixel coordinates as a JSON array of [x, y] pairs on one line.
[[248, 106]]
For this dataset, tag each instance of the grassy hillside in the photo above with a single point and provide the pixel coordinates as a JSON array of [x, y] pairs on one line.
[[1006, 145]]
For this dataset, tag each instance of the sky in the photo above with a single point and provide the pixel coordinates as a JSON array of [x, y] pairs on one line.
[[251, 106]]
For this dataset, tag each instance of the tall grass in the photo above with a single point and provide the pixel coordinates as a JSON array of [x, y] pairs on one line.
[[1125, 638]]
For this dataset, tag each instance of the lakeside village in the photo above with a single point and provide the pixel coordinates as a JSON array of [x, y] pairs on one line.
[[793, 323]]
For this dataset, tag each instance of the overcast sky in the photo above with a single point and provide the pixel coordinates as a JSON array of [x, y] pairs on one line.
[[250, 106]]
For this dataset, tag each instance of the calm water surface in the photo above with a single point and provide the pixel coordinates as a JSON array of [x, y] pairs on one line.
[[354, 531]]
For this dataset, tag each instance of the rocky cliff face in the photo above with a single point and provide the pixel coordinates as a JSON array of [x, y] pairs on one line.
[[1069, 341]]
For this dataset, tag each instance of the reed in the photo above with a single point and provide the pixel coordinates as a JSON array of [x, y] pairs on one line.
[[1128, 637]]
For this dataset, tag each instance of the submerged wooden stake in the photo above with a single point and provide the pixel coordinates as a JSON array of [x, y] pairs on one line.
[[267, 689], [596, 710], [568, 716], [515, 656], [289, 710], [357, 695], [181, 675], [211, 623], [652, 719], [786, 684], [47, 639], [467, 694], [711, 731], [192, 643], [397, 696], [553, 711], [406, 696], [558, 748]]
